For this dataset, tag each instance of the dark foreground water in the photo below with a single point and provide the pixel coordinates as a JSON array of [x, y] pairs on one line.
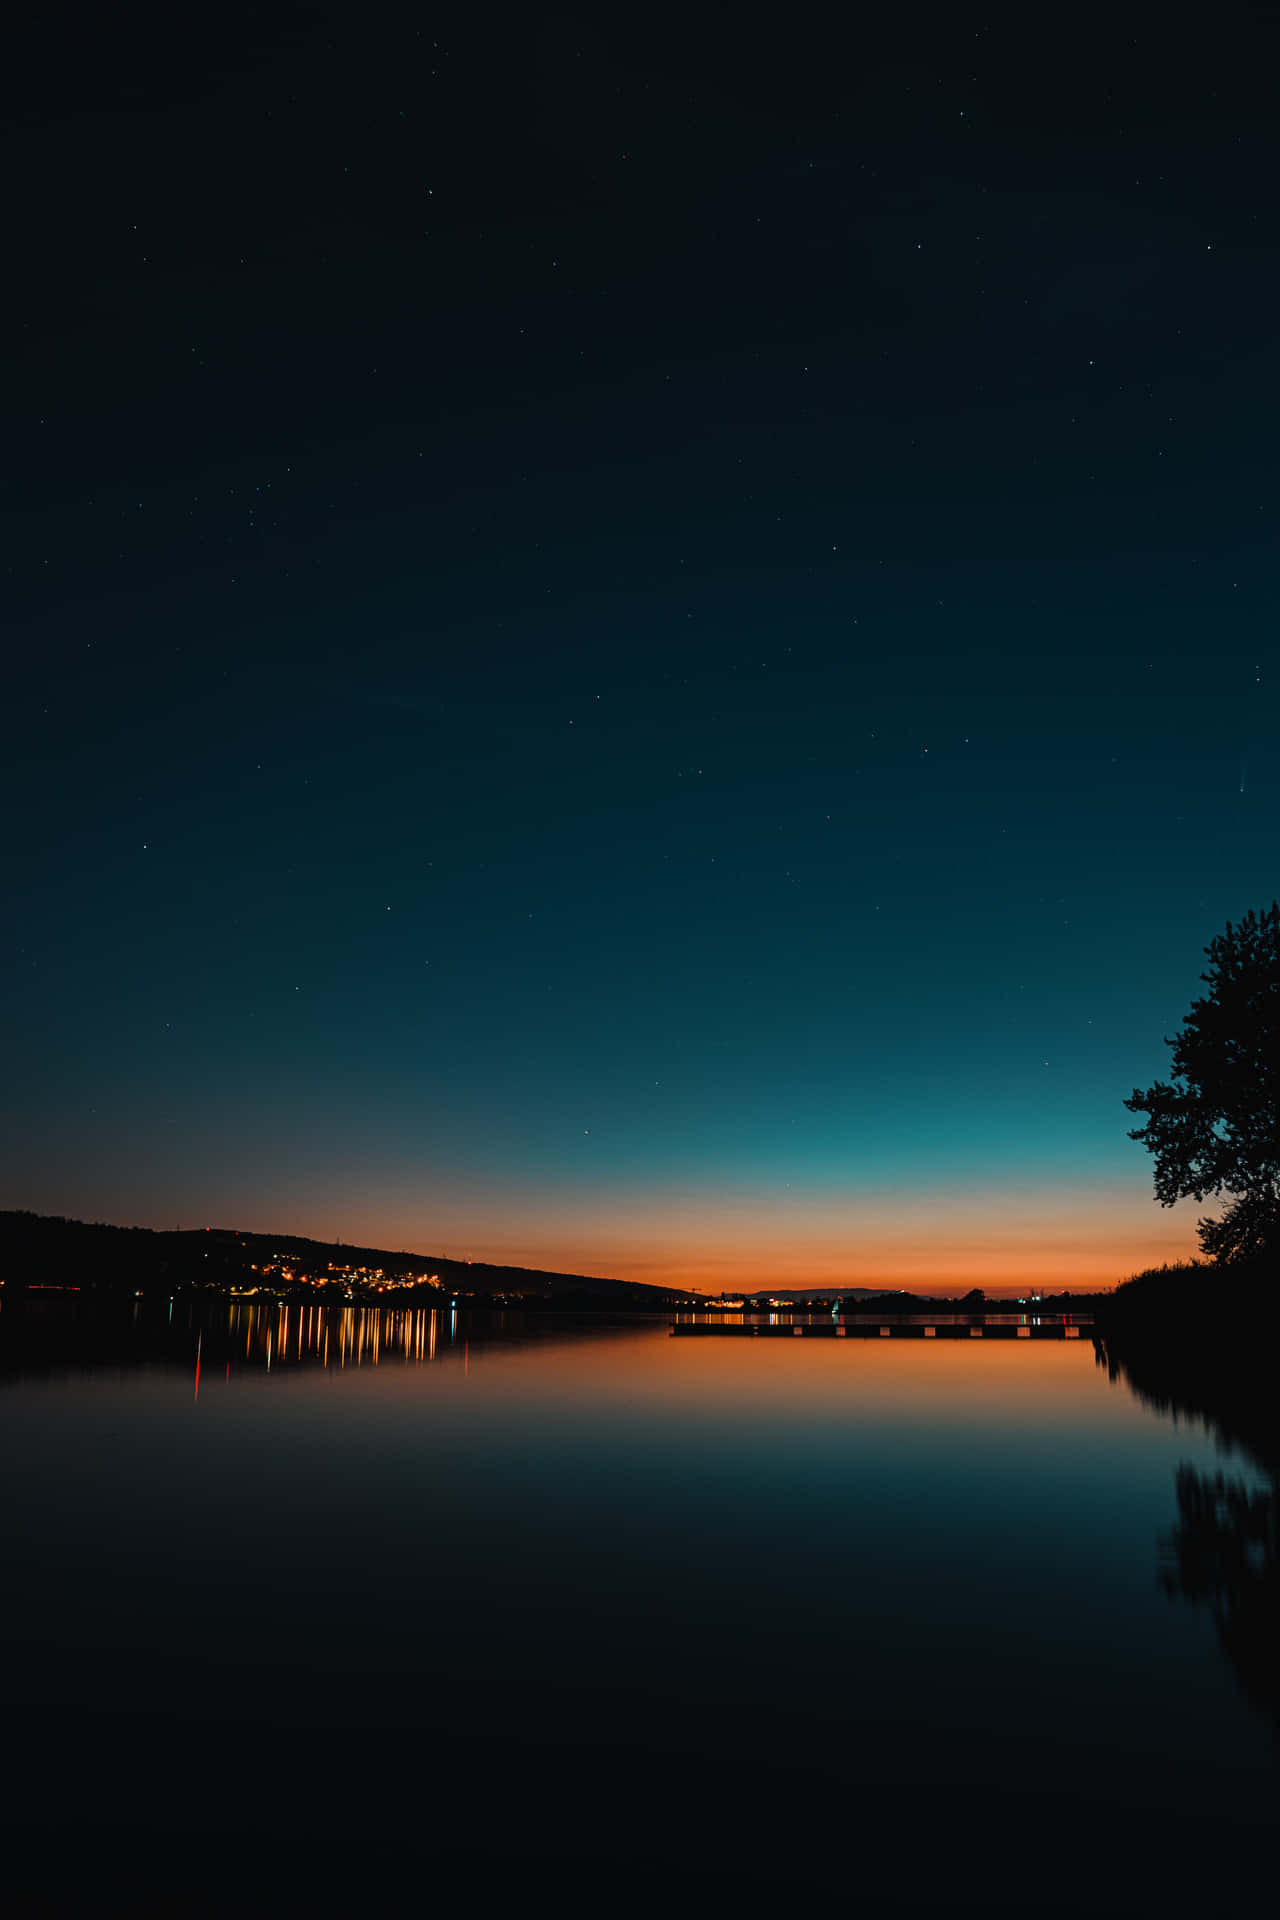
[[386, 1614]]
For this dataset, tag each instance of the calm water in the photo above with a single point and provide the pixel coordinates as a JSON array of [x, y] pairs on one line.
[[509, 1614]]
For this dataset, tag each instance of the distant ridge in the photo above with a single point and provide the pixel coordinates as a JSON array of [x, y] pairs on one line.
[[49, 1250]]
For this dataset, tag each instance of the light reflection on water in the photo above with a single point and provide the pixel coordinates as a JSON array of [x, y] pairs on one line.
[[578, 1593]]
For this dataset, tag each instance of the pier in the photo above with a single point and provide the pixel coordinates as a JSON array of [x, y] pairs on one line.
[[1048, 1329]]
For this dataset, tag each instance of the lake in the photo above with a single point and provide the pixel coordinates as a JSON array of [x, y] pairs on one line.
[[362, 1611]]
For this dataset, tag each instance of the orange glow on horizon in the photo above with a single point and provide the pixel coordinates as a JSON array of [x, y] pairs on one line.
[[931, 1241], [948, 1266], [938, 1241]]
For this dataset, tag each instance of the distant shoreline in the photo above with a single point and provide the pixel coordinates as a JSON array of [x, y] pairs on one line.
[[39, 1252]]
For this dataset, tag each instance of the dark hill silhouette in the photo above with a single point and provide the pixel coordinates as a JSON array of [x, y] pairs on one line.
[[48, 1250]]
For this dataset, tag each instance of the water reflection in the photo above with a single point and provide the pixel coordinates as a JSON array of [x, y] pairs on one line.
[[577, 1593], [1223, 1553], [266, 1336], [64, 1333]]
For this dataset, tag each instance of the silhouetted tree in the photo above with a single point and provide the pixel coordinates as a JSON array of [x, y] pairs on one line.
[[1215, 1127]]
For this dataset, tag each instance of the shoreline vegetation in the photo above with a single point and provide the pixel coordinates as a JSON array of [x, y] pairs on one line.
[[1191, 1307], [1196, 1340]]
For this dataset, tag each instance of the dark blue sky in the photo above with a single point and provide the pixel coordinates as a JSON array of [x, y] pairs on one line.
[[635, 643]]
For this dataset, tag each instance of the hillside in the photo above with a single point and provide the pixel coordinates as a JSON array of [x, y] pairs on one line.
[[42, 1251]]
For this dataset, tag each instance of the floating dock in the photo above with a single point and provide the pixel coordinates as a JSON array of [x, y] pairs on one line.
[[880, 1330]]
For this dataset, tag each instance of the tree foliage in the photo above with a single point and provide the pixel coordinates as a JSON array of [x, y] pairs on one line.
[[1214, 1127]]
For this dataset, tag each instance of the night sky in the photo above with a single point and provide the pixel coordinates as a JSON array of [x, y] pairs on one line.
[[640, 641]]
